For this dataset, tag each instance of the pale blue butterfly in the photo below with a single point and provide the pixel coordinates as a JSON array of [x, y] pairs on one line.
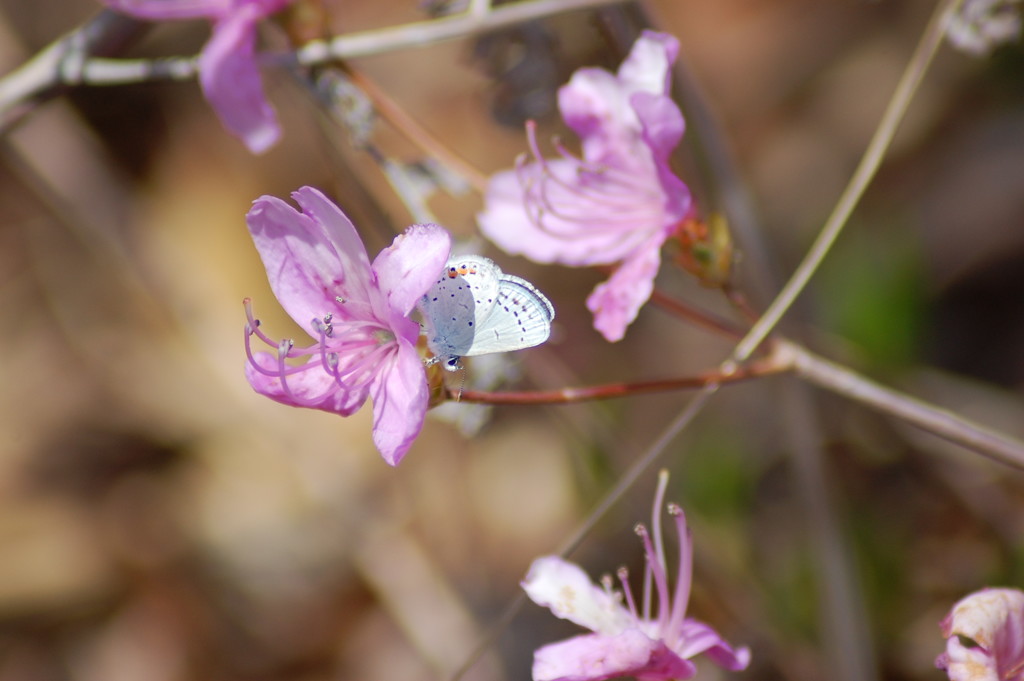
[[475, 309]]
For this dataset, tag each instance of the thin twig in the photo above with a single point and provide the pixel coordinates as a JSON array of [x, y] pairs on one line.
[[67, 61], [424, 33], [862, 176], [62, 61], [935, 420], [696, 316], [393, 113], [628, 479], [774, 365]]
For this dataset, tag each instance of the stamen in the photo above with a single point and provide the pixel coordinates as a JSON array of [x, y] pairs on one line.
[[623, 575], [253, 325], [660, 579], [276, 371], [329, 360], [284, 372], [630, 198], [364, 363], [659, 499], [619, 199], [624, 180], [685, 577]]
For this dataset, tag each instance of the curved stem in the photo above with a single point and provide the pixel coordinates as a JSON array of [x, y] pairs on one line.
[[773, 365], [68, 61], [935, 420], [394, 114], [423, 33], [862, 176], [622, 485], [697, 316]]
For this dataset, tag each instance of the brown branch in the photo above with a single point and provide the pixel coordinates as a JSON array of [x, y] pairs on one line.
[[766, 367], [394, 114]]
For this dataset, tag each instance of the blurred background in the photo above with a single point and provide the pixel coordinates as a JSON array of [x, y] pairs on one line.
[[160, 521]]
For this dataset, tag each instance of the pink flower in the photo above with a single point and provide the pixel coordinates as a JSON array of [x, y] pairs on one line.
[[619, 202], [993, 620], [626, 642], [357, 314], [228, 72]]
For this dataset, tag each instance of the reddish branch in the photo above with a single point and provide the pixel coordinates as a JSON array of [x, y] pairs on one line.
[[754, 369]]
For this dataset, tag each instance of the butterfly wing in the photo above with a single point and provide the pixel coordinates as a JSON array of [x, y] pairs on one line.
[[458, 303], [520, 318]]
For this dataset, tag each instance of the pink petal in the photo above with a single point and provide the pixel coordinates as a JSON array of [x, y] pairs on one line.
[[314, 389], [648, 68], [594, 657], [662, 129], [410, 266], [661, 121], [967, 664], [698, 637], [344, 238], [567, 591], [600, 236], [595, 105], [616, 302], [170, 9], [400, 395], [305, 269], [994, 619], [231, 82], [983, 615]]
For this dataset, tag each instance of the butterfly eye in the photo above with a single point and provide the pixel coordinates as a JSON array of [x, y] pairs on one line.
[[452, 273], [463, 269]]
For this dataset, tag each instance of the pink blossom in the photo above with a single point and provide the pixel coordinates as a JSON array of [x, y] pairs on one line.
[[228, 72], [993, 620], [357, 313], [620, 201], [626, 642]]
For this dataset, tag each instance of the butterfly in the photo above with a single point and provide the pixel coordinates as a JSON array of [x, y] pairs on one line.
[[474, 309]]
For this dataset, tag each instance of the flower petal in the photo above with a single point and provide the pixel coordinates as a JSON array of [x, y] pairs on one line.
[[314, 388], [312, 258], [994, 619], [567, 591], [594, 657], [967, 664], [596, 104], [616, 302], [662, 127], [400, 397], [648, 68], [584, 226], [165, 9], [661, 121], [301, 262], [411, 265], [231, 82], [343, 237], [698, 637]]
